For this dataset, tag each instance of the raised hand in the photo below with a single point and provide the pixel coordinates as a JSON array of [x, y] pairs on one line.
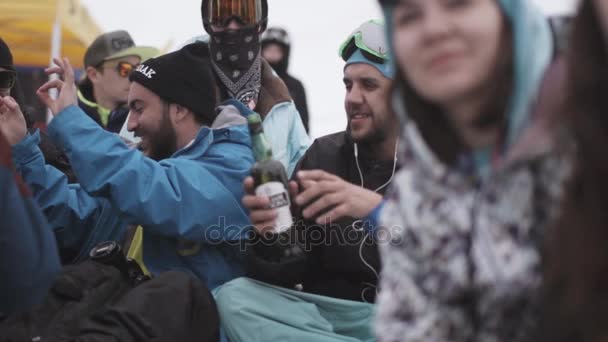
[[12, 121], [67, 87]]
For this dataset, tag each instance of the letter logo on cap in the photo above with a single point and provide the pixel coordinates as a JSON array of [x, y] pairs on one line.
[[146, 70]]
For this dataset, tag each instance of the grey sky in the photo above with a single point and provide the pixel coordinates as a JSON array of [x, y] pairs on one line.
[[317, 27]]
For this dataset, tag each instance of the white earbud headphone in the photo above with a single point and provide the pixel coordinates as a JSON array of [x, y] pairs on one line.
[[371, 286], [361, 173]]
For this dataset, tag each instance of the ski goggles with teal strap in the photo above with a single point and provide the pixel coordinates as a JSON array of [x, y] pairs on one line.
[[370, 39]]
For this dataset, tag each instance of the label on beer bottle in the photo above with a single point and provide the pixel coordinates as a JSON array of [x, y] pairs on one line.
[[279, 201]]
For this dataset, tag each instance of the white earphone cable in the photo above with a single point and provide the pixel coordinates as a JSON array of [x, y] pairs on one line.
[[367, 235]]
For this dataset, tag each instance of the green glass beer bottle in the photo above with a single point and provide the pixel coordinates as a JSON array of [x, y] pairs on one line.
[[270, 180]]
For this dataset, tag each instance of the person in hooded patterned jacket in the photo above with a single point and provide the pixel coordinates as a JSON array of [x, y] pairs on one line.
[[481, 174]]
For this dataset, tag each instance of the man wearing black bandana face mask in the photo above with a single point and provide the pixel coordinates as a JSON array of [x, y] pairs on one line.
[[235, 27]]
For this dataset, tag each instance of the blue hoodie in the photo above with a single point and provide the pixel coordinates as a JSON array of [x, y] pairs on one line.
[[29, 259], [190, 199]]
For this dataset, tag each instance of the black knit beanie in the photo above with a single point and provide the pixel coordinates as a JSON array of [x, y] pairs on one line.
[[183, 77]]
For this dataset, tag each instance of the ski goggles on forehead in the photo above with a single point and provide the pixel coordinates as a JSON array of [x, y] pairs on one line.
[[370, 38], [247, 12], [7, 79]]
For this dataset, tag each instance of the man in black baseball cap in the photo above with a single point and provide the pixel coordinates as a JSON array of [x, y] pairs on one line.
[[108, 62]]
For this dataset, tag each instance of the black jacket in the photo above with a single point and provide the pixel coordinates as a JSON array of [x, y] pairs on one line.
[[117, 117], [295, 87], [333, 265], [55, 157]]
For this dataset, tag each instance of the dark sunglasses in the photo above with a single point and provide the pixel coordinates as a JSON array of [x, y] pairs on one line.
[[7, 79]]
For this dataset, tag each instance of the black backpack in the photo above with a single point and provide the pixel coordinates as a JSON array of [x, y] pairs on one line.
[[94, 301]]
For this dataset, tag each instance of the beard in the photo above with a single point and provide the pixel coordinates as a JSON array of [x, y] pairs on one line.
[[375, 136], [163, 143]]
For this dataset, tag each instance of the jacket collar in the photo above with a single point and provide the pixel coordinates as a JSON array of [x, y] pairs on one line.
[[229, 125], [272, 92], [103, 112]]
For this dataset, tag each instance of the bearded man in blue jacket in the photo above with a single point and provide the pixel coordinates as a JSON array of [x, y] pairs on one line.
[[184, 186]]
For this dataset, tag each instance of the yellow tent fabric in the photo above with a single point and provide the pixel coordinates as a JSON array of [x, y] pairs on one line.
[[27, 28]]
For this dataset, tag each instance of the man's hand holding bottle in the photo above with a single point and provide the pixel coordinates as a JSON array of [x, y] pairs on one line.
[[324, 198]]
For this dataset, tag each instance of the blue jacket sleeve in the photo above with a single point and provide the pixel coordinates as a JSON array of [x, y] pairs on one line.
[[72, 212], [29, 260], [373, 219], [177, 197], [283, 127]]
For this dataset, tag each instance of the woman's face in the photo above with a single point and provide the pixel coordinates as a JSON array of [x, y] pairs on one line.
[[448, 49]]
